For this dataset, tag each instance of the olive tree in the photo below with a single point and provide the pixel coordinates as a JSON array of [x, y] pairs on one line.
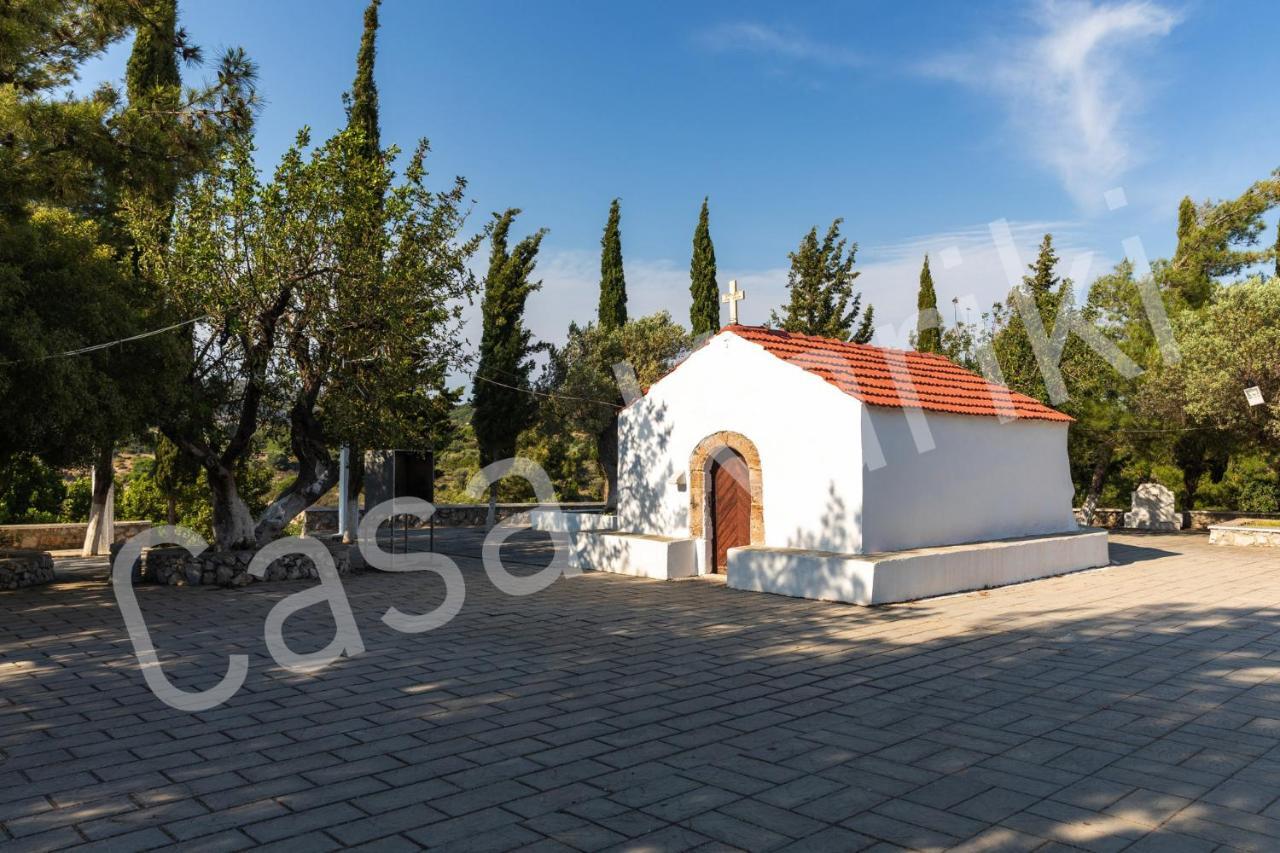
[[331, 299]]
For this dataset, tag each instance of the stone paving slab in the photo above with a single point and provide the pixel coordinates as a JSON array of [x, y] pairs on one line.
[[1130, 708]]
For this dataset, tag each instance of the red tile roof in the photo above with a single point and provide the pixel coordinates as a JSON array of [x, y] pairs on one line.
[[880, 376]]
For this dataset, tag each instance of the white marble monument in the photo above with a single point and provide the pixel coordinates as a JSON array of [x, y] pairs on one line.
[[1153, 509]]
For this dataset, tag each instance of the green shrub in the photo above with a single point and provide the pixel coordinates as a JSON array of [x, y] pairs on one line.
[[1257, 496], [1248, 486], [141, 497], [75, 506], [30, 491]]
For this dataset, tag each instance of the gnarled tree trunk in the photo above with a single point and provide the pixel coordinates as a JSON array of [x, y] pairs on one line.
[[233, 527], [1099, 479], [317, 473], [607, 451]]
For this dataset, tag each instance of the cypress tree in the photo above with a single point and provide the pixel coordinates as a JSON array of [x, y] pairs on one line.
[[821, 298], [148, 185], [613, 283], [363, 111], [1278, 250], [153, 61], [1189, 275], [173, 470], [928, 320], [704, 313], [153, 84], [503, 406], [363, 115], [1186, 226]]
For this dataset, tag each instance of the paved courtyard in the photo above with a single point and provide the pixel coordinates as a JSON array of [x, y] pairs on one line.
[[1135, 707]]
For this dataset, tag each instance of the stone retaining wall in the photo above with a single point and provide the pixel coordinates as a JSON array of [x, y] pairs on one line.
[[60, 537], [319, 520], [1112, 519], [19, 568], [1199, 519], [1196, 519], [174, 566]]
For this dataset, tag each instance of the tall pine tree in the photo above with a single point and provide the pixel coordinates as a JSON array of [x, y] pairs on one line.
[[928, 320], [704, 313], [613, 283], [503, 406], [822, 300], [1043, 283], [1012, 343]]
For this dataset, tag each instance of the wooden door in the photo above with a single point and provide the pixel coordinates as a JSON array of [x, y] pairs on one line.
[[730, 506]]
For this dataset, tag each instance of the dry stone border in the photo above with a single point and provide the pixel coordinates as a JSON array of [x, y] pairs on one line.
[[174, 566], [21, 567]]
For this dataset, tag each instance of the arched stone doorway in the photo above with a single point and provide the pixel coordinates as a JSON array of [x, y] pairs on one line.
[[725, 458]]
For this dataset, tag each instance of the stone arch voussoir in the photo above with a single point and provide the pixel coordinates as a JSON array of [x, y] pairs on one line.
[[700, 464]]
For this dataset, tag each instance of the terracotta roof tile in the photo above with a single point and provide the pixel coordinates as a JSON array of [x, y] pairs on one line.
[[880, 376]]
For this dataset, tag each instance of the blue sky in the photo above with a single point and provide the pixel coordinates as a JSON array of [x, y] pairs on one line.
[[919, 123]]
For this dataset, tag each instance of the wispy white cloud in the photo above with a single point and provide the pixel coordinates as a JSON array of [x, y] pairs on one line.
[[751, 37], [1071, 86], [966, 266]]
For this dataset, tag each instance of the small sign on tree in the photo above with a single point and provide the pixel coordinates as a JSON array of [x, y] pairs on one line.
[[1254, 396]]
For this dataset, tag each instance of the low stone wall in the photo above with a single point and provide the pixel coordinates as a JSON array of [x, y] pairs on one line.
[[319, 520], [19, 568], [1241, 533], [60, 537], [1112, 519], [1196, 519], [1199, 519], [174, 566]]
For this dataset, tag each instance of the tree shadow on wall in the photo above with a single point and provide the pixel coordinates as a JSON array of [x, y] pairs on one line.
[[645, 476]]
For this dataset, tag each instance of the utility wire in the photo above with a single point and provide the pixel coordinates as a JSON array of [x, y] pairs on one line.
[[107, 345], [154, 332], [543, 393]]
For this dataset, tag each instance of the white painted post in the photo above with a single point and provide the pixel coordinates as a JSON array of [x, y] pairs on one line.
[[344, 474], [101, 532]]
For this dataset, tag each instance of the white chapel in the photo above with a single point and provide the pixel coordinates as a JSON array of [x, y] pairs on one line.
[[825, 469]]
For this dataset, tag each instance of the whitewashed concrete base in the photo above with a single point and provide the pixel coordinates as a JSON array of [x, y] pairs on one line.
[[571, 522], [917, 573], [636, 554], [1245, 534]]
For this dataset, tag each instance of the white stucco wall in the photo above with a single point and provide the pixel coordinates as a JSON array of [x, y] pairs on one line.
[[982, 480], [806, 431]]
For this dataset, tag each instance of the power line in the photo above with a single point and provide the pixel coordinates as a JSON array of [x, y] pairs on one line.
[[154, 332], [102, 346], [543, 393], [1145, 431]]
